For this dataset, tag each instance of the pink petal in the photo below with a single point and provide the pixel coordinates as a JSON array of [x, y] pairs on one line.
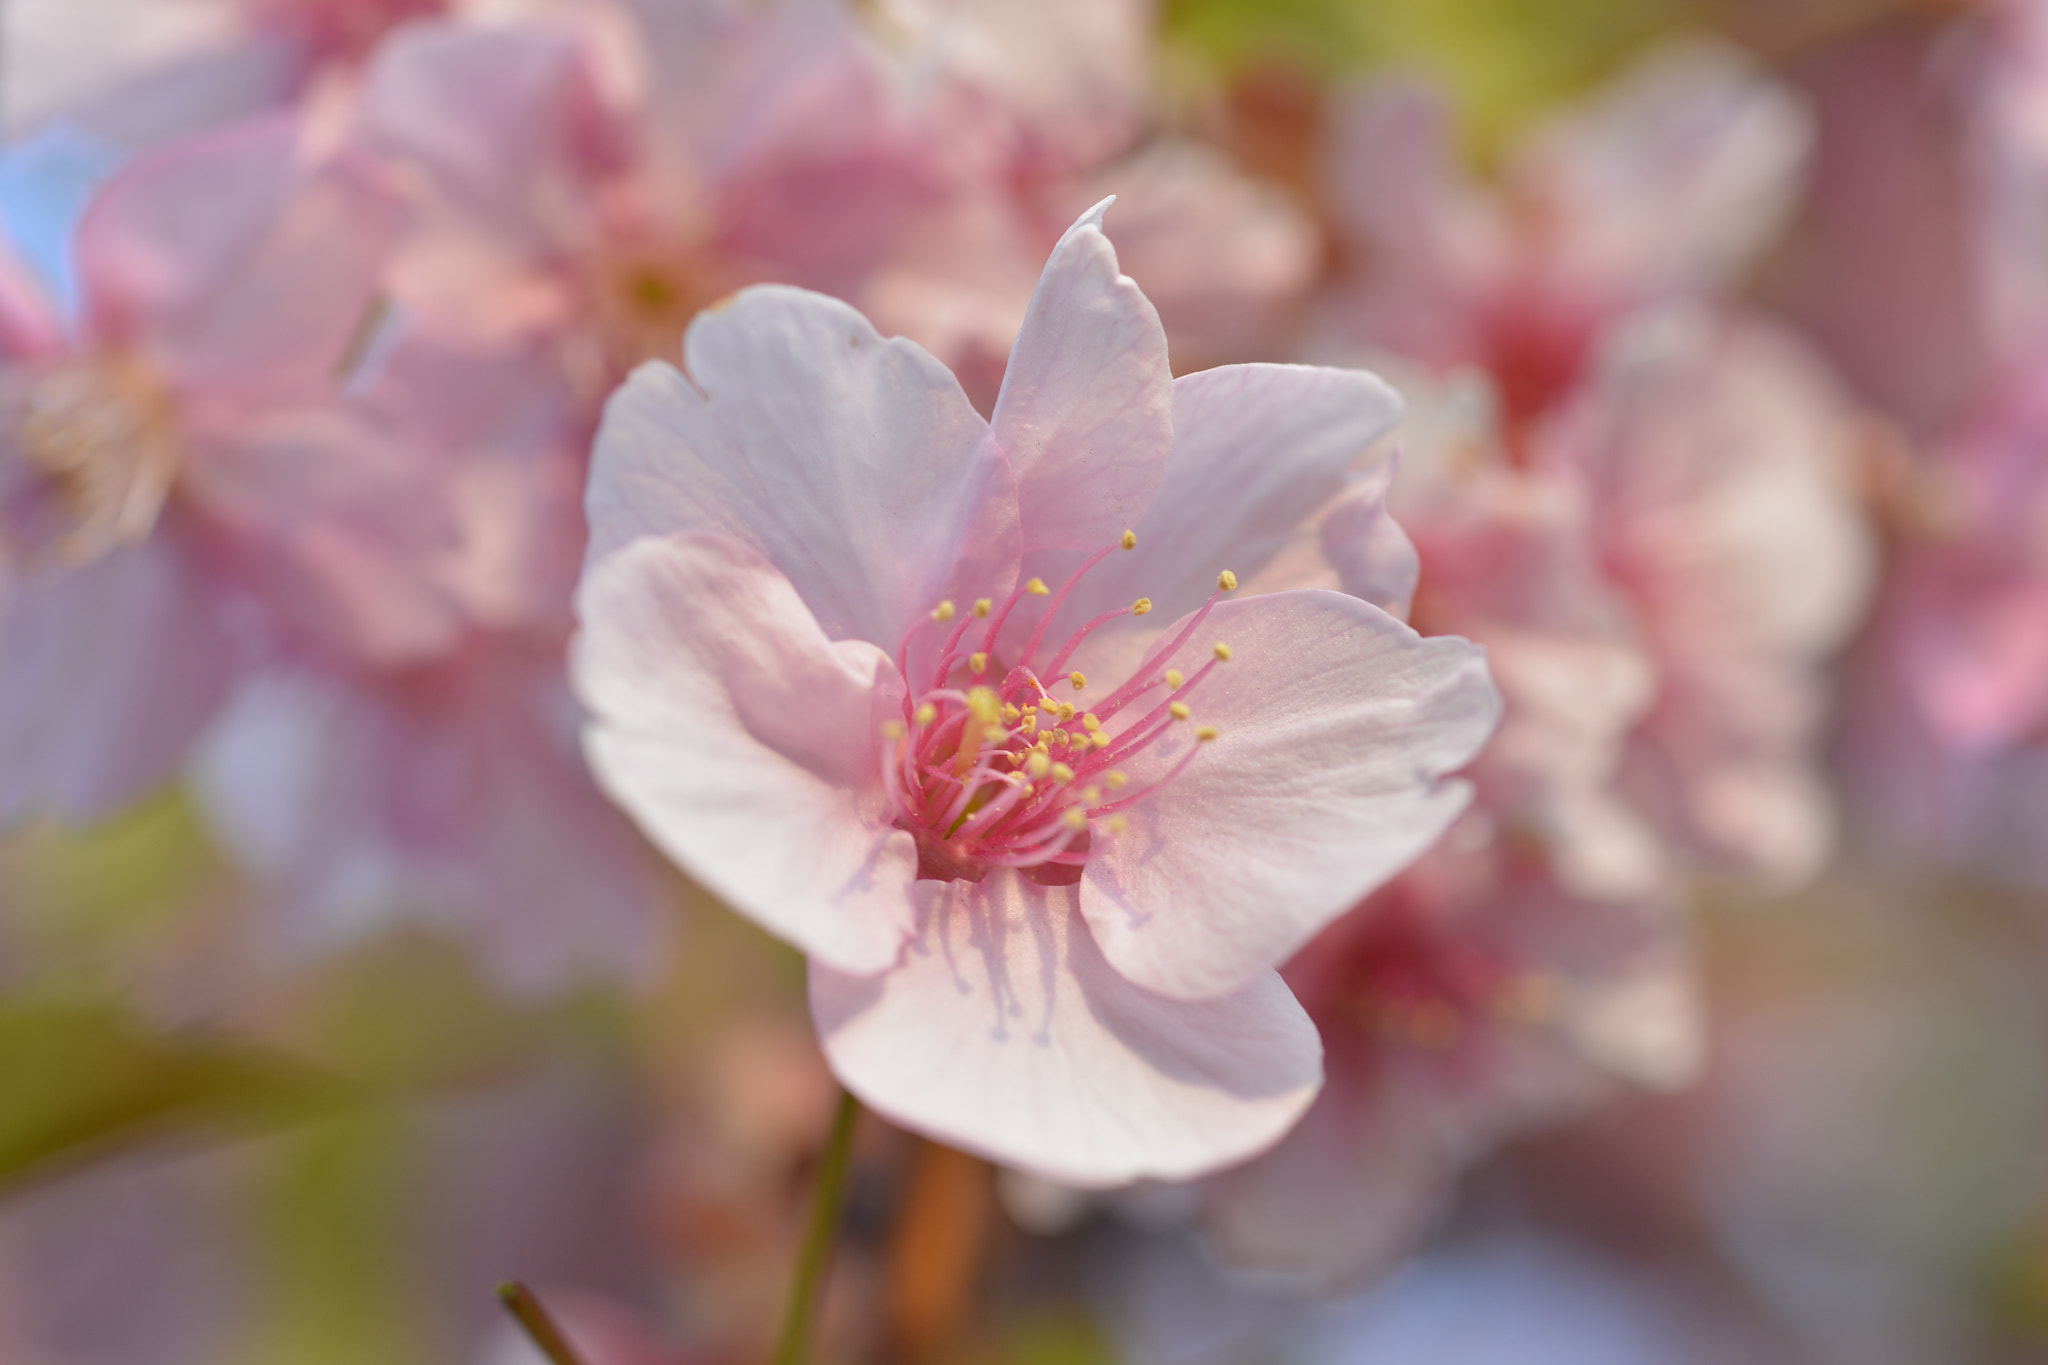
[[111, 671], [455, 795], [1257, 451], [237, 265], [745, 743], [1675, 176], [1374, 558], [1003, 1031], [506, 122], [1085, 413], [28, 325], [340, 522], [854, 464], [1338, 725]]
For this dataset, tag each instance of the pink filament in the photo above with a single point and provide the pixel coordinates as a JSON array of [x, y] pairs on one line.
[[994, 813]]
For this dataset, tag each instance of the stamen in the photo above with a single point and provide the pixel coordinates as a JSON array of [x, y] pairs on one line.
[[944, 611], [1226, 581], [1180, 710], [1141, 606], [1173, 677], [1222, 652], [1129, 540], [1078, 679]]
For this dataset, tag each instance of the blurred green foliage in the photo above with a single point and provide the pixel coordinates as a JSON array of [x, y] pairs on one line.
[[1502, 61], [82, 1080]]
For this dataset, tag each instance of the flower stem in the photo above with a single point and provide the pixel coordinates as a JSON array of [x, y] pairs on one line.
[[806, 1290], [535, 1320]]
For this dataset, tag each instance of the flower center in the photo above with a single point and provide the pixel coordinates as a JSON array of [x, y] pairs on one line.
[[100, 440], [1001, 764]]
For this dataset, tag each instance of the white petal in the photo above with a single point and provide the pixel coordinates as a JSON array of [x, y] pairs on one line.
[[854, 464], [1338, 726], [1257, 451], [1085, 413], [1003, 1031], [745, 744]]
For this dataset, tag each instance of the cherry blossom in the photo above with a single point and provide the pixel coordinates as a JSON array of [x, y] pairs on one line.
[[884, 677], [184, 470]]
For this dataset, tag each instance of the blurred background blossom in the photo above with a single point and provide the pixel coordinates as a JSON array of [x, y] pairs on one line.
[[333, 992]]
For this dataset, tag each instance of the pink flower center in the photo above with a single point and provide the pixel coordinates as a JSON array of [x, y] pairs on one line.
[[100, 440], [1000, 763]]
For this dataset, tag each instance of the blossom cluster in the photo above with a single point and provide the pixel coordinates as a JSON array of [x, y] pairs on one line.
[[1237, 671]]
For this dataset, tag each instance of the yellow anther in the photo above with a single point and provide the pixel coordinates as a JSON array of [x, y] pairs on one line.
[[1011, 715], [1089, 722], [1078, 679], [1036, 587], [985, 704], [1059, 736], [982, 606], [1173, 677], [926, 714], [1066, 712], [995, 734], [1222, 652], [943, 611], [1205, 733], [1141, 606], [1038, 765], [1091, 795], [1130, 540], [1227, 581], [1116, 824], [1030, 723], [1099, 740], [1074, 818], [1179, 710], [892, 729], [1062, 773], [978, 662], [1117, 779]]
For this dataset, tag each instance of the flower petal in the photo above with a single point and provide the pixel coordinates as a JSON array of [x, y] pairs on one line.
[[1338, 724], [744, 743], [1257, 450], [1085, 413], [91, 719], [1004, 1031], [457, 796], [853, 464], [506, 122], [234, 262]]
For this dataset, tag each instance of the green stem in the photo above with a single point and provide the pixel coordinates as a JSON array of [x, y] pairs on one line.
[[525, 1309], [806, 1290]]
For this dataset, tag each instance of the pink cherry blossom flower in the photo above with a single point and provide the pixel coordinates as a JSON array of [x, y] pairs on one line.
[[1660, 188], [1536, 957], [840, 637], [596, 180], [186, 461], [1045, 112], [1716, 455], [448, 795], [1471, 1001], [447, 790]]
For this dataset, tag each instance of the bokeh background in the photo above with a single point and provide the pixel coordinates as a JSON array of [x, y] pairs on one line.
[[287, 1079]]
